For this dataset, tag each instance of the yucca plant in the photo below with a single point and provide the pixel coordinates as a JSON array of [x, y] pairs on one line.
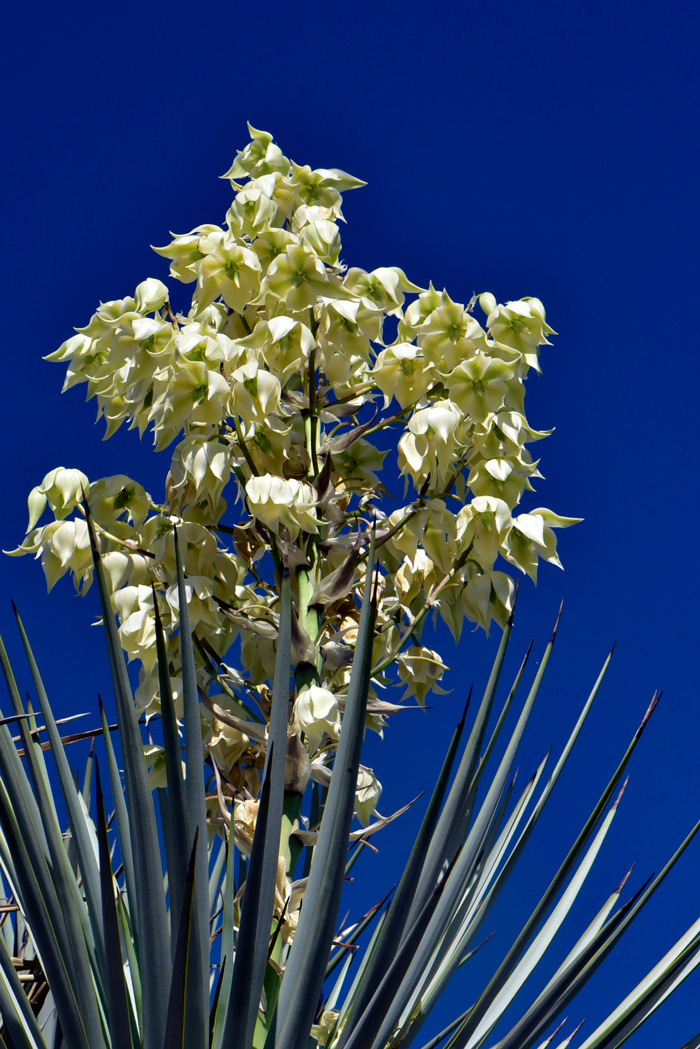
[[273, 383]]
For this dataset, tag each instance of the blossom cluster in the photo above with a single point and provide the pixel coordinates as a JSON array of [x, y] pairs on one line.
[[276, 388]]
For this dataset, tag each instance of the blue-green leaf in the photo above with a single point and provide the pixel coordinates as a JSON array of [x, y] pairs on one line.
[[79, 831], [392, 930], [194, 785], [122, 818], [258, 899], [154, 945], [185, 960], [117, 1002], [178, 818]]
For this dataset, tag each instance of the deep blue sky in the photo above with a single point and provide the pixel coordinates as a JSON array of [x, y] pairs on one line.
[[545, 149]]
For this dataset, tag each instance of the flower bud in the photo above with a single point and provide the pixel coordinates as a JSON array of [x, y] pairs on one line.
[[487, 301], [37, 504], [316, 713], [367, 794], [150, 295]]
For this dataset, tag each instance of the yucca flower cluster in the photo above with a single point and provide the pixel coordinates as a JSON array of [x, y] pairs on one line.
[[276, 387]]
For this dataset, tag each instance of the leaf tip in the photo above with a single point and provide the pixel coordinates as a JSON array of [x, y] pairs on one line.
[[622, 884], [556, 625], [618, 799], [463, 718], [159, 624], [649, 711], [98, 782], [515, 601]]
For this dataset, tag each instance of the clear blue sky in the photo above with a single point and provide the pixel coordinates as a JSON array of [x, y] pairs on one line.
[[545, 149]]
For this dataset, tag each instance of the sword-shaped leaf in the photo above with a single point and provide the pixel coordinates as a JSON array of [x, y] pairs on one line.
[[451, 954], [152, 915], [122, 818], [117, 1002], [539, 945], [455, 816], [563, 988], [194, 789], [434, 1042], [652, 992], [15, 775], [224, 989], [395, 922], [79, 946], [179, 836], [48, 893], [215, 878], [473, 923], [176, 1022], [40, 904], [514, 856], [511, 959], [17, 1014], [239, 1022], [258, 899], [365, 1030], [464, 868], [355, 932], [76, 820]]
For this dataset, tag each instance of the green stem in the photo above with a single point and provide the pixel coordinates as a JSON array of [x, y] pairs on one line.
[[242, 445], [418, 621], [370, 388], [311, 422], [309, 618], [390, 535], [389, 420]]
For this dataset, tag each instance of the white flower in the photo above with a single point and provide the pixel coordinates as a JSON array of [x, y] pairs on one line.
[[400, 372], [367, 794], [427, 449], [62, 489], [532, 537], [316, 714], [322, 1031], [420, 668], [277, 502], [138, 629]]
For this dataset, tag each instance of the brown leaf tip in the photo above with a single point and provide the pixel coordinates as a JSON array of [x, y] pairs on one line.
[[618, 799], [650, 710], [622, 884]]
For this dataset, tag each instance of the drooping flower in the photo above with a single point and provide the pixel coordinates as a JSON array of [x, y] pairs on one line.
[[317, 715]]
